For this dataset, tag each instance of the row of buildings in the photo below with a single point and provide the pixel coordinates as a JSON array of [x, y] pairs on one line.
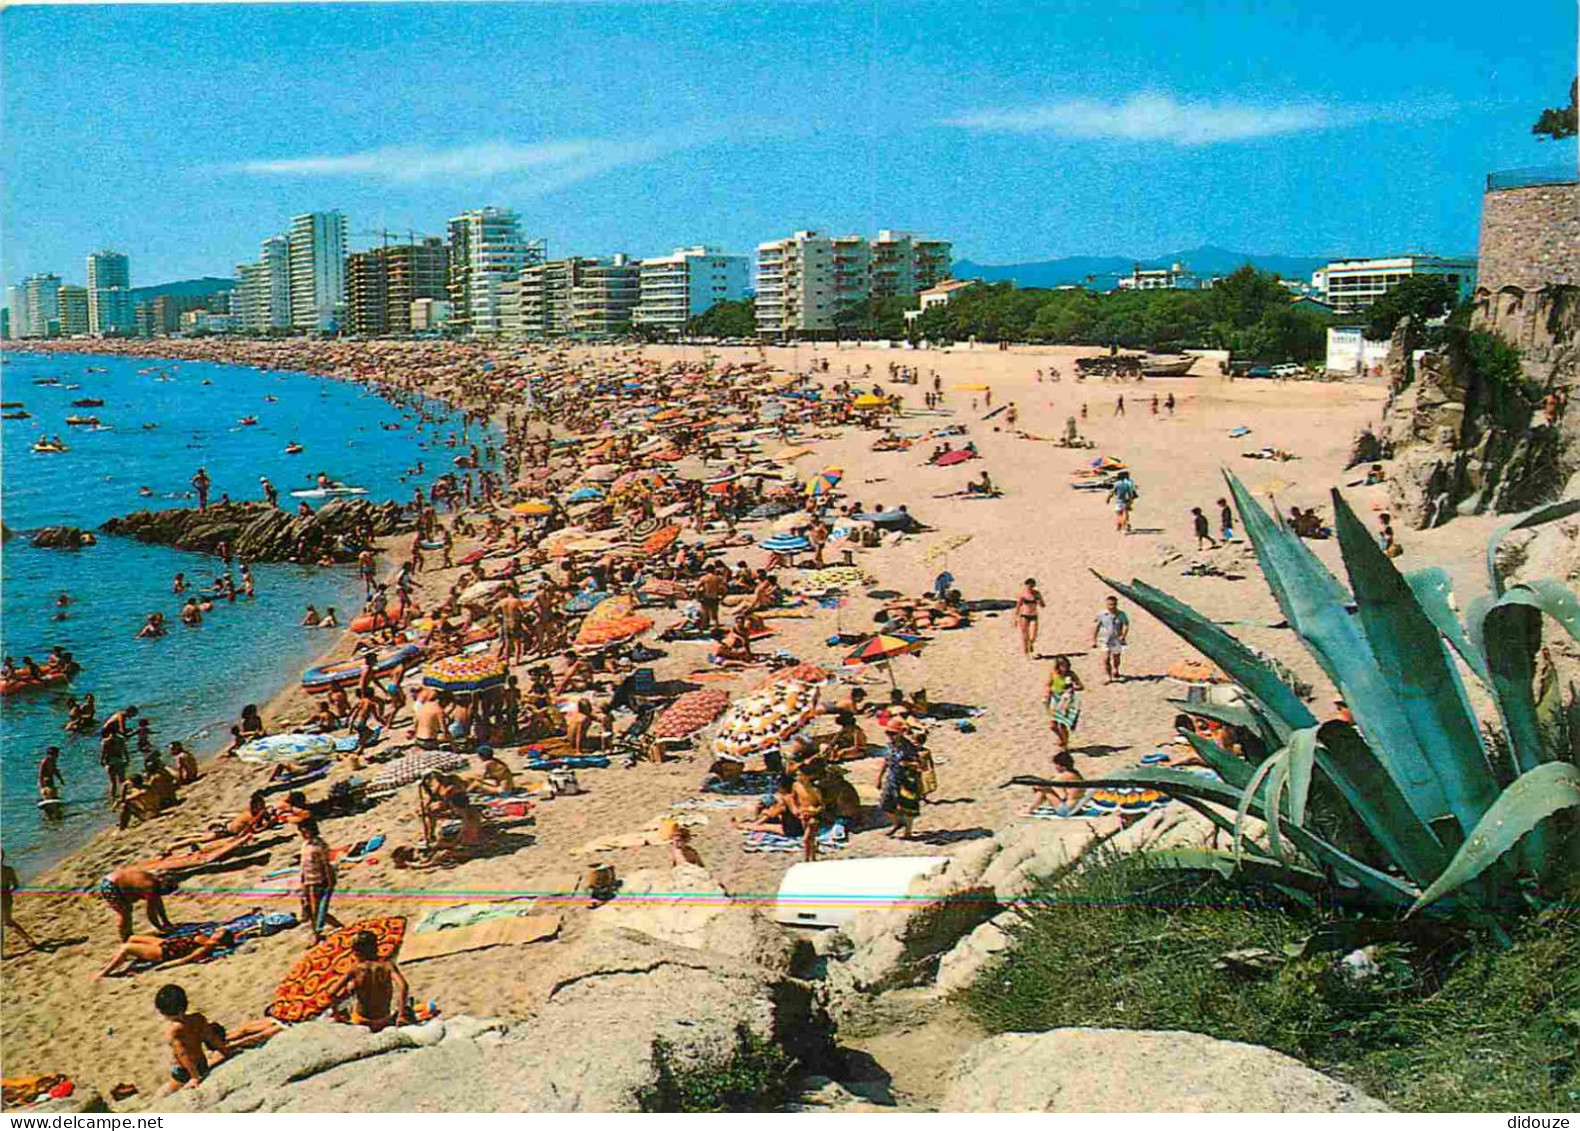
[[42, 306], [1344, 286]]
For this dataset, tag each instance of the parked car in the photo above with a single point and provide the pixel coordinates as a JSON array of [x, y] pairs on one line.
[[1262, 371], [1288, 369]]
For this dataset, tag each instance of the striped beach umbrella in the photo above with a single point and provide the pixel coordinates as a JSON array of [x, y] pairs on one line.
[[882, 648], [465, 674]]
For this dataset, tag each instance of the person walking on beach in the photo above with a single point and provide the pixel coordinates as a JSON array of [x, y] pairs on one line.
[[1028, 614], [1225, 520], [1119, 405], [200, 484], [112, 747], [1168, 403], [366, 571], [1123, 495], [271, 494], [1203, 530], [1064, 701], [1112, 631], [9, 883], [318, 880]]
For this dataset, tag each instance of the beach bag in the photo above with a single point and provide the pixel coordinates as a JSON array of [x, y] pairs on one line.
[[564, 783], [928, 776]]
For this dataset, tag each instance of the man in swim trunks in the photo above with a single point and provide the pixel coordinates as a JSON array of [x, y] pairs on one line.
[[112, 747], [200, 484], [176, 950], [50, 780], [126, 886], [428, 717]]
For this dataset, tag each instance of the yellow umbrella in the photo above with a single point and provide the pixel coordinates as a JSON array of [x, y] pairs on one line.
[[869, 400], [974, 388], [532, 508]]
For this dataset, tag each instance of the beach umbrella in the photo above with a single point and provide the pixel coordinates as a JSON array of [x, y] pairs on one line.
[[532, 508], [481, 590], [723, 477], [786, 544], [764, 719], [869, 400], [588, 545], [882, 648], [464, 674], [274, 749], [584, 495], [833, 577], [959, 455], [786, 455], [600, 632], [601, 473], [807, 673], [308, 989], [690, 713]]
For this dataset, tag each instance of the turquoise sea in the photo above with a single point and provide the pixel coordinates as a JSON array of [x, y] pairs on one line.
[[193, 682]]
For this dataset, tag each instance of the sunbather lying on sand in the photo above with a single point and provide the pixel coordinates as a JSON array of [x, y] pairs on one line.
[[177, 950]]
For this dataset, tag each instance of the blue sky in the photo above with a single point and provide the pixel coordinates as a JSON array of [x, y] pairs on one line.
[[1026, 130]]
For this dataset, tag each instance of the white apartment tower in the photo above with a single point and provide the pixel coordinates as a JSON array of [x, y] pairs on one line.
[[110, 307], [805, 281], [317, 250], [43, 305], [486, 248], [675, 288], [21, 318]]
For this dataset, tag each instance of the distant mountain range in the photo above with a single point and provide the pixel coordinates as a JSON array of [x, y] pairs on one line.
[[184, 288], [1204, 261]]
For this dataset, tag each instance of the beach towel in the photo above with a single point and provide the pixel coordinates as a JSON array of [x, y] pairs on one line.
[[511, 931], [470, 914], [570, 762], [689, 803], [293, 781], [255, 924], [1063, 813], [745, 785], [831, 839], [305, 992], [412, 767]]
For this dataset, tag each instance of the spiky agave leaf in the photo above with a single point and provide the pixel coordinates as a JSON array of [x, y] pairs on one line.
[[1434, 591], [1314, 604], [1535, 517], [1536, 795], [1426, 690]]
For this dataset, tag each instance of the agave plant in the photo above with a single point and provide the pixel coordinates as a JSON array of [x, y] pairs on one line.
[[1459, 824]]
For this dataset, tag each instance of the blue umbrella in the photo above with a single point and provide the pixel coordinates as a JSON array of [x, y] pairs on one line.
[[584, 495], [786, 543]]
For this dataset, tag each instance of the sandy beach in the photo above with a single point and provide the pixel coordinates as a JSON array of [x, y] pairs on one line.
[[105, 1032]]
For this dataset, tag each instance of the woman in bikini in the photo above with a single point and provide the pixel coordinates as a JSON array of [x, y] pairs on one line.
[[1028, 612]]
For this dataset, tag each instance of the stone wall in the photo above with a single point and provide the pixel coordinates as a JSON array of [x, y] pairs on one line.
[[1528, 278]]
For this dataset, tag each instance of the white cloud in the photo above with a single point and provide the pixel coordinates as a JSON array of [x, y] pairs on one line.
[[1158, 118], [549, 164]]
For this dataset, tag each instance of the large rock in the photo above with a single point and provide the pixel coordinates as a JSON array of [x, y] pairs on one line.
[[1127, 1070], [588, 1048], [61, 538], [259, 533], [687, 907]]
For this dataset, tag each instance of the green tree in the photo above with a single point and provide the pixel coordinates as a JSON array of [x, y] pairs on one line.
[[1559, 122], [1421, 297], [726, 319]]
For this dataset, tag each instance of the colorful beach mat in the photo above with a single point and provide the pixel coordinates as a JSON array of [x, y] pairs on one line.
[[306, 990]]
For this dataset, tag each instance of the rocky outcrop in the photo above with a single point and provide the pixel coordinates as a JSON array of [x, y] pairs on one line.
[[1462, 446], [687, 907], [61, 538], [256, 532], [587, 1048], [1110, 1070]]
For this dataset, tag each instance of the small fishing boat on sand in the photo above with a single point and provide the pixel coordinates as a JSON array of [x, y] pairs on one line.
[[1160, 365]]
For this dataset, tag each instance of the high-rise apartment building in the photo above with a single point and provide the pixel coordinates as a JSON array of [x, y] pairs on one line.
[[806, 281], [43, 305], [73, 310], [545, 296], [317, 249], [675, 288], [382, 283], [604, 298], [110, 307], [486, 248], [247, 299], [16, 306]]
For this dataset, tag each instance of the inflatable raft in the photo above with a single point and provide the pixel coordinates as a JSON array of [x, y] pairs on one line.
[[343, 673]]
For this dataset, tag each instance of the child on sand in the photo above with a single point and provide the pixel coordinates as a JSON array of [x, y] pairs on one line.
[[1203, 530], [318, 880], [192, 1035], [376, 986]]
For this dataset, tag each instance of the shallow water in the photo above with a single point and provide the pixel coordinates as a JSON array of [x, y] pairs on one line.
[[193, 682]]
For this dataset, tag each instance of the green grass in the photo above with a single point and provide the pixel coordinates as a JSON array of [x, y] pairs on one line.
[[753, 1074], [1449, 1023]]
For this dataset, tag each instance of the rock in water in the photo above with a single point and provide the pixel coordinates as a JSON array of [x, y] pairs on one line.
[[256, 532], [1137, 1070], [62, 538]]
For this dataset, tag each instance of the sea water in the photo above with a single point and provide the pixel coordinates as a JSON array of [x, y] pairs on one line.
[[161, 420]]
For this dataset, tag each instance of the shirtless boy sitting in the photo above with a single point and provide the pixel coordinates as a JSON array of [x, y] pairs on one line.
[[191, 1035], [376, 986]]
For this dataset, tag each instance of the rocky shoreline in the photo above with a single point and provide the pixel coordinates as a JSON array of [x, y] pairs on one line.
[[256, 532]]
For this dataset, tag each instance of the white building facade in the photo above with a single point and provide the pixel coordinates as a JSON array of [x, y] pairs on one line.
[[1352, 285], [807, 280], [675, 288], [317, 256], [21, 317], [111, 310], [486, 248], [43, 305]]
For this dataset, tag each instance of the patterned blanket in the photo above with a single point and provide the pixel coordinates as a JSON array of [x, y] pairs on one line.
[[305, 992]]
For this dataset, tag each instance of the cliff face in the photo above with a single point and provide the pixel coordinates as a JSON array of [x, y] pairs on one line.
[[259, 533], [1465, 445]]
